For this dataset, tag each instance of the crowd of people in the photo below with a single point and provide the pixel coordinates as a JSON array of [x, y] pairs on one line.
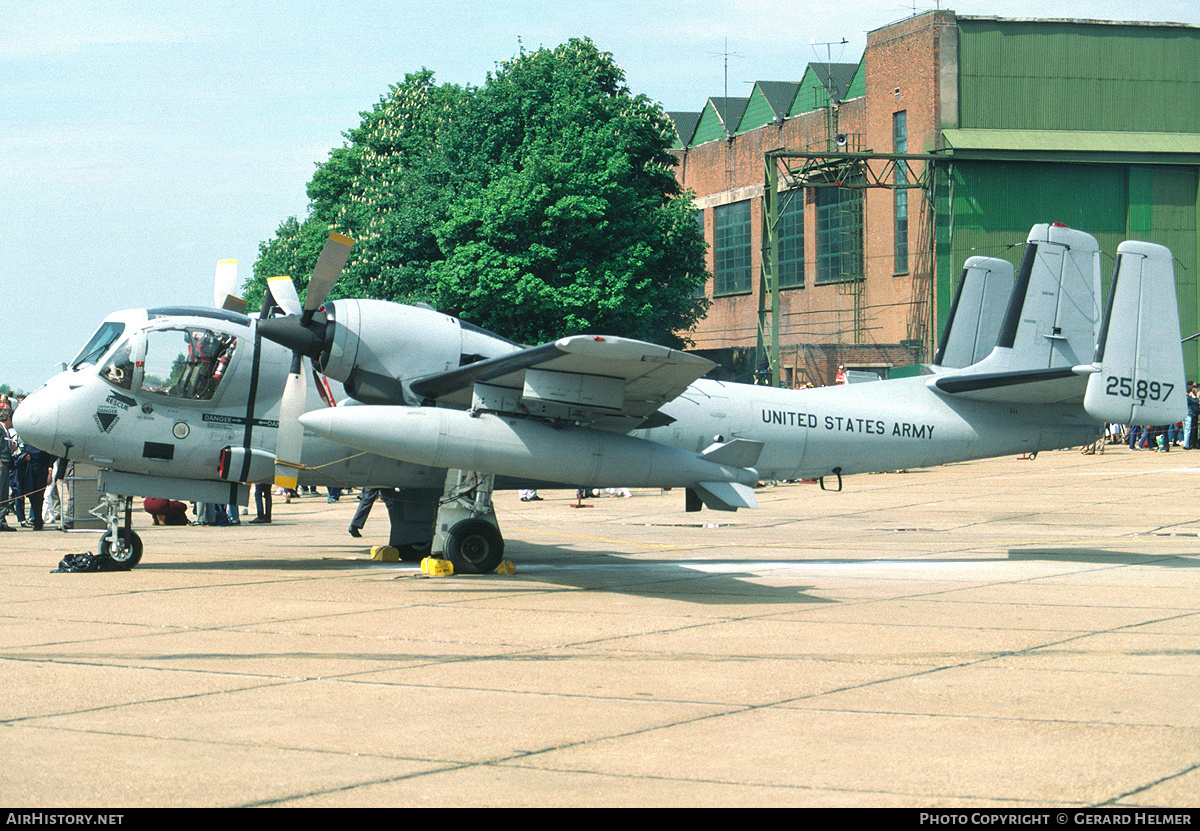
[[1163, 437], [26, 474]]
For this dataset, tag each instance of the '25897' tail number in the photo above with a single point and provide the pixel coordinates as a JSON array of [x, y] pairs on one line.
[[1141, 390]]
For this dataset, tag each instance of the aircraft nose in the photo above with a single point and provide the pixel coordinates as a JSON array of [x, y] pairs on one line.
[[36, 420]]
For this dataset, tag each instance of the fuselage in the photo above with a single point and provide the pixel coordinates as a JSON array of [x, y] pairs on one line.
[[161, 392], [865, 427], [718, 432]]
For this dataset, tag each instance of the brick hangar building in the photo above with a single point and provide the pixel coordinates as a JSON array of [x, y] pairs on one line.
[[949, 138]]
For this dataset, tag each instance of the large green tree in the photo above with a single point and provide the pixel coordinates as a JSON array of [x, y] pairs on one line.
[[540, 204]]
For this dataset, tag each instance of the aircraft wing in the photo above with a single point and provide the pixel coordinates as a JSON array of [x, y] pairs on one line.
[[607, 383]]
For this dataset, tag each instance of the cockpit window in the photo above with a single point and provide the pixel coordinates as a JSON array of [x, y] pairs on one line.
[[119, 368], [186, 363], [104, 338]]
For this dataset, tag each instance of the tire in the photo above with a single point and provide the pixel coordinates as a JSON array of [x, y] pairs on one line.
[[414, 552], [128, 551], [475, 546]]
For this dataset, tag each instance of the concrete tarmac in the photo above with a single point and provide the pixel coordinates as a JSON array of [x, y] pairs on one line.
[[1000, 634]]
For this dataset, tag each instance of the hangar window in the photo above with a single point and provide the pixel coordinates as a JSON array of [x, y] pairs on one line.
[[900, 145], [790, 229], [731, 248], [839, 234]]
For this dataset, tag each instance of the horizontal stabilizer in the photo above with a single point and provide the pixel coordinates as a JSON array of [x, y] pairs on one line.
[[1139, 357], [725, 496], [1028, 386]]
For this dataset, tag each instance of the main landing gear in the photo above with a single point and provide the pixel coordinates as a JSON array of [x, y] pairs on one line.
[[474, 546], [466, 532], [119, 543]]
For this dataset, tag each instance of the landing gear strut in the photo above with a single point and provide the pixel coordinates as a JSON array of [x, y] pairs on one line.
[[466, 532], [118, 543]]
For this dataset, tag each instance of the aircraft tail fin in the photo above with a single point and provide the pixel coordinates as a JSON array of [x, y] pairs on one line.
[[1049, 327], [1053, 315], [1139, 359], [977, 312]]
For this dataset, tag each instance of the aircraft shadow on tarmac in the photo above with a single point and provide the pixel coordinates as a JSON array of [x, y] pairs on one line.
[[1092, 555], [699, 580]]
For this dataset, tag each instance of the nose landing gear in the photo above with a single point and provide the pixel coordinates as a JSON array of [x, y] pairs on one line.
[[119, 542]]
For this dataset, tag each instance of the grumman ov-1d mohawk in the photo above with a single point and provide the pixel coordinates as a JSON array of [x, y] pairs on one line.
[[1047, 372]]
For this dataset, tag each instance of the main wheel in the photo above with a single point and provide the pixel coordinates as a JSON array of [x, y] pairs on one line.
[[128, 550], [475, 546], [414, 552]]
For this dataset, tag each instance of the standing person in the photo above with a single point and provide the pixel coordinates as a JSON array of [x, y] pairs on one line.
[[53, 504], [6, 465], [262, 503], [18, 477], [38, 475], [1193, 410], [385, 495]]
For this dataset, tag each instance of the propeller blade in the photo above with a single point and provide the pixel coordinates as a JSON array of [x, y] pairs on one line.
[[329, 265], [283, 290], [268, 303], [289, 437], [224, 286]]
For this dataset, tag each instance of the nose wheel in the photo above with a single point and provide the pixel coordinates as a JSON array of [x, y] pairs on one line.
[[119, 542], [126, 551]]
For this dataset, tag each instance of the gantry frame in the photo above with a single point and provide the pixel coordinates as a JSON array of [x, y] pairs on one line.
[[854, 170]]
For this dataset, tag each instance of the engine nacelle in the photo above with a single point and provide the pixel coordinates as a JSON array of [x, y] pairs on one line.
[[376, 348]]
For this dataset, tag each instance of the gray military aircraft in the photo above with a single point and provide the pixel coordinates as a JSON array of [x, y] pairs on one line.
[[1046, 372], [189, 403]]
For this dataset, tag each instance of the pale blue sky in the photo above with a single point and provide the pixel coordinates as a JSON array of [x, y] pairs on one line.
[[140, 142]]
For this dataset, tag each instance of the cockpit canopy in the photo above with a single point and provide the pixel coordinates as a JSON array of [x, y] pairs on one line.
[[178, 361], [99, 345]]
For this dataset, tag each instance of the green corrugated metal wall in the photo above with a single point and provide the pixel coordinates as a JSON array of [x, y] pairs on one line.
[[1050, 75], [811, 95], [709, 128], [994, 204], [858, 86], [1163, 209]]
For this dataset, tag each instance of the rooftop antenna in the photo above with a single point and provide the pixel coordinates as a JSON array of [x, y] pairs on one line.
[[726, 54], [831, 102]]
